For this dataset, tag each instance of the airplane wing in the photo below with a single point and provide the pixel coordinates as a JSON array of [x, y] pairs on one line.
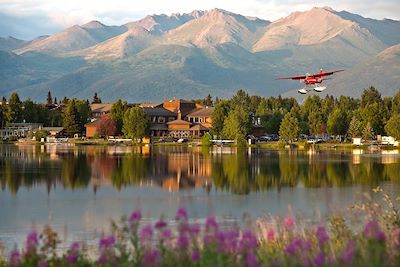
[[292, 78], [321, 74]]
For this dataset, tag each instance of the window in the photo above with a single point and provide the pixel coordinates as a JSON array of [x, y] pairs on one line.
[[161, 119]]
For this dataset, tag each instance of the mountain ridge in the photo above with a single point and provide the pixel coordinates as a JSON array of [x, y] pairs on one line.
[[194, 54]]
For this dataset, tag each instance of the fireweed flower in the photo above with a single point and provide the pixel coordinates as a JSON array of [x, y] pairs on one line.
[[151, 258], [146, 234], [166, 234], [348, 254], [183, 241], [42, 263], [248, 242], [135, 217], [160, 224], [195, 256], [107, 242], [372, 231], [31, 243], [181, 215], [73, 253], [211, 225], [14, 259], [270, 235], [288, 222], [319, 259], [195, 229], [251, 260], [321, 235]]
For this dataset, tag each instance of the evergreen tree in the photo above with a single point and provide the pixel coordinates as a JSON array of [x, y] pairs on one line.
[[289, 129], [237, 124], [71, 119], [29, 113], [221, 110], [135, 123], [96, 99], [337, 122], [208, 101], [65, 100], [355, 127], [49, 99], [3, 113], [117, 113], [14, 113], [370, 96], [84, 112], [392, 127], [396, 103], [55, 100], [368, 132]]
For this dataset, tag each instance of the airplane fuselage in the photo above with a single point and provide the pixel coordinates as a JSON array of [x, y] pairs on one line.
[[312, 80]]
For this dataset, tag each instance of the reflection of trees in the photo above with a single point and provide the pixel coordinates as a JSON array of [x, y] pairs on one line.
[[132, 169], [75, 171]]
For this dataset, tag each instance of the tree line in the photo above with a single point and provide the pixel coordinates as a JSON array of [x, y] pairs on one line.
[[345, 116], [232, 118]]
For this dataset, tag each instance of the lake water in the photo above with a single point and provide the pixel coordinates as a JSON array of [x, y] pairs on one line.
[[79, 189]]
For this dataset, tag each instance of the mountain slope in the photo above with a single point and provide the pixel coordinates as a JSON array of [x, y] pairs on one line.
[[74, 38], [10, 43], [216, 52], [217, 27]]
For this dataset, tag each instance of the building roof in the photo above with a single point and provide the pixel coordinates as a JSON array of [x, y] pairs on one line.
[[92, 123], [101, 107], [158, 127], [150, 105], [204, 112], [178, 99], [199, 127], [158, 111], [179, 122], [53, 129]]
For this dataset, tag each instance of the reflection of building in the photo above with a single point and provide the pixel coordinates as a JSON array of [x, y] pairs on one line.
[[187, 170]]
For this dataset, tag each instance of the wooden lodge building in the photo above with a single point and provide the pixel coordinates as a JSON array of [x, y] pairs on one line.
[[173, 117]]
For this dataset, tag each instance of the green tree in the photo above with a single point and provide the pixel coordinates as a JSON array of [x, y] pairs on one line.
[[135, 123], [220, 113], [71, 119], [237, 124], [96, 99], [396, 103], [117, 113], [208, 101], [337, 122], [370, 96], [14, 113], [242, 99], [355, 127], [84, 112], [374, 114], [49, 100], [289, 129], [3, 112], [392, 127], [368, 132], [29, 113]]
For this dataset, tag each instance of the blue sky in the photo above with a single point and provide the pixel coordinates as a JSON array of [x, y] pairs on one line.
[[28, 19]]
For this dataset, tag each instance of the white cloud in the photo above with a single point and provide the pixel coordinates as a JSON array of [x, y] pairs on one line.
[[64, 13]]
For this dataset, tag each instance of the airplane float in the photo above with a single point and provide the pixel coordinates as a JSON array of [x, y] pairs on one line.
[[311, 81]]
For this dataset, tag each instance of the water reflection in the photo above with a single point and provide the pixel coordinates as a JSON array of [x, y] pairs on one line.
[[178, 168]]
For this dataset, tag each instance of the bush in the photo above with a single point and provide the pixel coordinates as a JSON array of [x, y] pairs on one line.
[[206, 140], [41, 134]]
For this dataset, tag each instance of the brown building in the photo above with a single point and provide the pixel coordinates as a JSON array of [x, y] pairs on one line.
[[202, 117], [173, 117], [91, 128]]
